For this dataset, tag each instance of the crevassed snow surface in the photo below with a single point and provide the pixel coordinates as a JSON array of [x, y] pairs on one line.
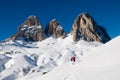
[[50, 60]]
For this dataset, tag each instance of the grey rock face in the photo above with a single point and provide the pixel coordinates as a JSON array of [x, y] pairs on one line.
[[30, 30], [54, 29], [84, 27]]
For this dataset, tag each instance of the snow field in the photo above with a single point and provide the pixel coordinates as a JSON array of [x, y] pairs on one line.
[[30, 61]]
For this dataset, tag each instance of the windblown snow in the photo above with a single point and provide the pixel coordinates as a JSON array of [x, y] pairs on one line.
[[50, 60]]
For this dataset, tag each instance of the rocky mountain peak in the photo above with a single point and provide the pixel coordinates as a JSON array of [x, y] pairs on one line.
[[31, 21], [85, 27], [54, 29], [30, 30]]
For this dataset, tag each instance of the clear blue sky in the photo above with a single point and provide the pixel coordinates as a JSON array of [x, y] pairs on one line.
[[14, 12]]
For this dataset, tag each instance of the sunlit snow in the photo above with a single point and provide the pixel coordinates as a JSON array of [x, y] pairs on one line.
[[50, 60]]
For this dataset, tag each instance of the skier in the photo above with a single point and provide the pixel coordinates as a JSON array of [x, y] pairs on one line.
[[73, 59]]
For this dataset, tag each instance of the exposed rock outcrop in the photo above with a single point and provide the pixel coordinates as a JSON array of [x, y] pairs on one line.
[[30, 30], [55, 29], [84, 27]]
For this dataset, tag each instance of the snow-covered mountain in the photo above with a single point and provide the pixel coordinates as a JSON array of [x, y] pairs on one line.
[[37, 54]]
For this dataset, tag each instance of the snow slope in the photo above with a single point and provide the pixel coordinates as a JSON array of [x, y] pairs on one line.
[[103, 63], [24, 61], [50, 60]]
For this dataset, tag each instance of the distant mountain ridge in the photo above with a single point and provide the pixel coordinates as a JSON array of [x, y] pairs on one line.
[[84, 28]]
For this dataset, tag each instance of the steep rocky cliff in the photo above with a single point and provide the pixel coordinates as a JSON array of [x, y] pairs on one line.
[[85, 27]]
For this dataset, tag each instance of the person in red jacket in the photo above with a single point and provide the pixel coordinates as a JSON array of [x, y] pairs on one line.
[[73, 59]]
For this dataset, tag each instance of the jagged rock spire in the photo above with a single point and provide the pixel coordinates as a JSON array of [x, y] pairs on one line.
[[54, 29], [85, 27], [30, 30]]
